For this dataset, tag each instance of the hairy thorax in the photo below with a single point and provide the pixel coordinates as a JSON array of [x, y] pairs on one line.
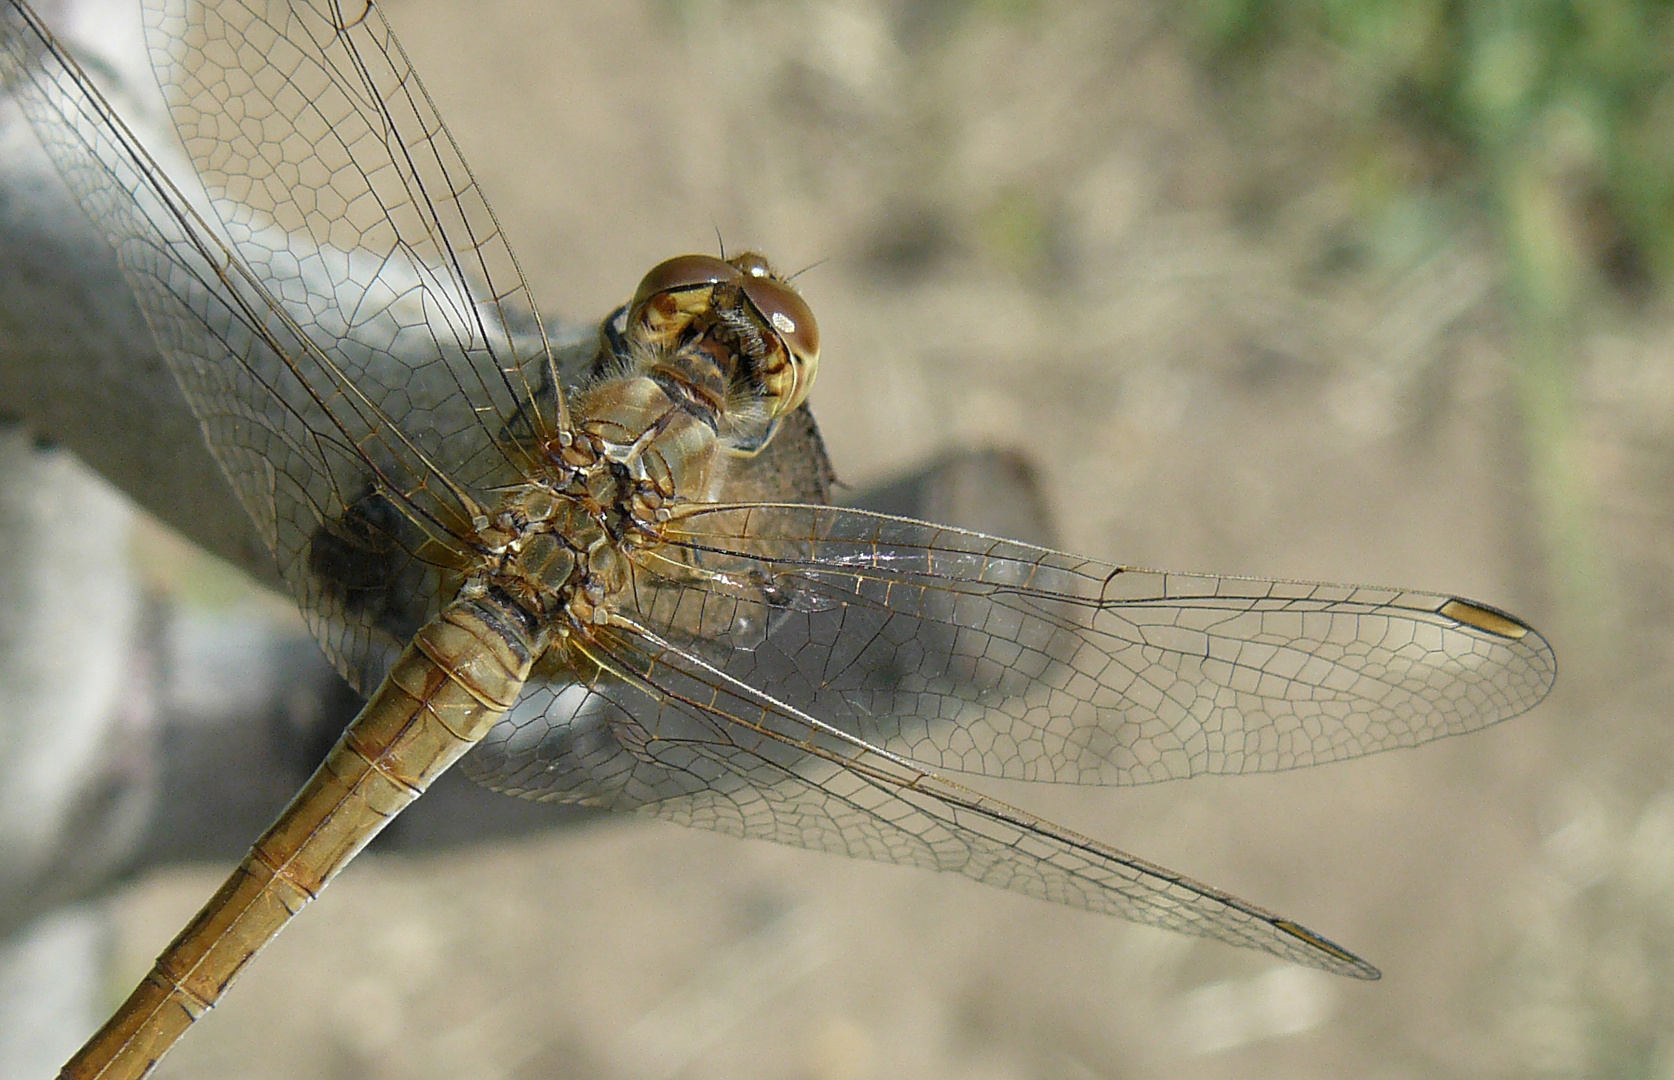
[[694, 375]]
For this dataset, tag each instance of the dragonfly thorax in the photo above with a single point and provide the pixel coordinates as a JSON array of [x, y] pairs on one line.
[[557, 545]]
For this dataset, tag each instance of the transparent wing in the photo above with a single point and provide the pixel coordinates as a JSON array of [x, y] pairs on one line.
[[656, 728], [974, 654], [787, 672], [358, 364], [971, 654], [340, 187]]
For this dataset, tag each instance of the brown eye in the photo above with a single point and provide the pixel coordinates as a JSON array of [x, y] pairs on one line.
[[683, 272], [787, 313]]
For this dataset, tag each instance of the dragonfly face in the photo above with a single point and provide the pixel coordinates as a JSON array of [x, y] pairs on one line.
[[729, 336], [624, 558]]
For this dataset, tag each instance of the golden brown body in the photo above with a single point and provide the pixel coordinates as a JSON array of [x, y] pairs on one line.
[[460, 674], [550, 569]]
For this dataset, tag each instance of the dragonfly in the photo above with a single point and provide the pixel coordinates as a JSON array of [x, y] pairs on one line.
[[608, 572]]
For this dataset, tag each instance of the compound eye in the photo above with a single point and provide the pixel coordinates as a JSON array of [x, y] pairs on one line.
[[788, 314], [787, 383], [683, 272]]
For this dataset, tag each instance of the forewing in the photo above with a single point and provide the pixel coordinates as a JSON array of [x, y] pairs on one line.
[[653, 727], [329, 383], [973, 654], [341, 188]]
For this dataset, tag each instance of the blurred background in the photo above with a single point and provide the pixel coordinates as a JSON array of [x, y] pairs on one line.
[[1326, 289]]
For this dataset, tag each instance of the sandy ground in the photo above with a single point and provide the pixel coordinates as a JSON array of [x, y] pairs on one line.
[[1025, 224]]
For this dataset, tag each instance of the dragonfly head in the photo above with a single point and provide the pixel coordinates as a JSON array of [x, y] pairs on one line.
[[779, 338]]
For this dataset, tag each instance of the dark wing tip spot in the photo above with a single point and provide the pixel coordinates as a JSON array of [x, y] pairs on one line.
[[1485, 619]]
